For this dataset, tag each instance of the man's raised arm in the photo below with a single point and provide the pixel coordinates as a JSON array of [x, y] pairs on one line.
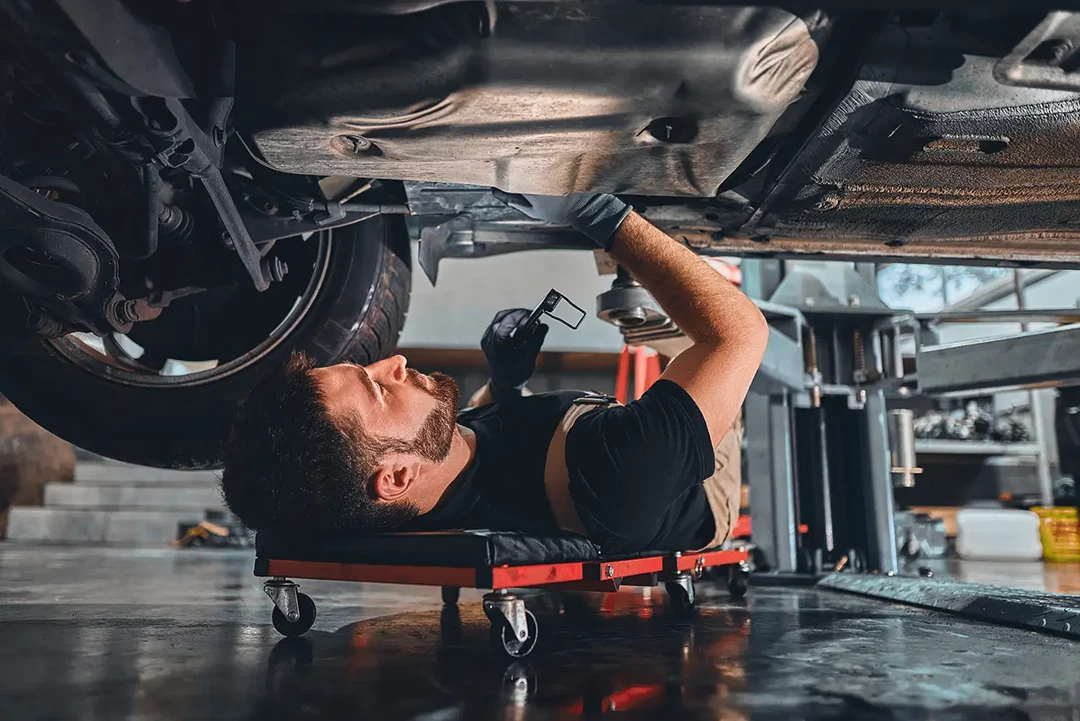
[[728, 331]]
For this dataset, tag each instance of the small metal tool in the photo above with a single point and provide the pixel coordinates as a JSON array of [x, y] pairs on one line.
[[552, 301]]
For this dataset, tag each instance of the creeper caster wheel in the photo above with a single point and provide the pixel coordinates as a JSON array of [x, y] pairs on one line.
[[294, 612], [287, 627], [504, 642], [738, 579], [681, 595], [513, 628]]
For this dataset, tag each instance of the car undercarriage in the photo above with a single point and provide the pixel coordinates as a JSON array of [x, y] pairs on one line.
[[216, 184]]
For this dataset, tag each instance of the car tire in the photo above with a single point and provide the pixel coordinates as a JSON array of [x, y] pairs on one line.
[[356, 314]]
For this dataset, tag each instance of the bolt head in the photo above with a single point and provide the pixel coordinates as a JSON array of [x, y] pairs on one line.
[[360, 144], [279, 269], [609, 570]]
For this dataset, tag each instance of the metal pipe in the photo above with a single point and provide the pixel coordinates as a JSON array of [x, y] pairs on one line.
[[151, 211], [1035, 402], [881, 525], [1041, 315], [877, 347], [826, 483], [898, 353], [812, 367], [902, 463]]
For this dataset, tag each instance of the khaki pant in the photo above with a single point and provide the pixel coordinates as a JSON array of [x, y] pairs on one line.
[[724, 488]]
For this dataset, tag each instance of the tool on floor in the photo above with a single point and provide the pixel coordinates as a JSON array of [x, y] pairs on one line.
[[218, 529]]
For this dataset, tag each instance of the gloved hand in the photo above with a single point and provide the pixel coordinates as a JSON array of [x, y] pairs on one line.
[[512, 360], [597, 215]]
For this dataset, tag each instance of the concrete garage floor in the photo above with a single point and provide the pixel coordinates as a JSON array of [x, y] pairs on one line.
[[114, 634]]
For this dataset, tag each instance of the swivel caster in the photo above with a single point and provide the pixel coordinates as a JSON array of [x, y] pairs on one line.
[[504, 642], [681, 595], [738, 579], [450, 595], [294, 612], [514, 630]]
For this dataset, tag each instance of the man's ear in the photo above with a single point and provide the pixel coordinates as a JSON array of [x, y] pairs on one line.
[[395, 478]]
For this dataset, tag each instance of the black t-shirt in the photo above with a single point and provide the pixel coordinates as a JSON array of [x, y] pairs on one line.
[[635, 471]]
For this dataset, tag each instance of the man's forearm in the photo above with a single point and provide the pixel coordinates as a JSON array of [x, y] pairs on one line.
[[484, 396], [705, 306]]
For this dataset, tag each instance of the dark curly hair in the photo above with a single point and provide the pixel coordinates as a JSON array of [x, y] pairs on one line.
[[289, 468]]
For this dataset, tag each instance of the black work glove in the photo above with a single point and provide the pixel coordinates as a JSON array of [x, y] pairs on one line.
[[597, 215], [512, 360]]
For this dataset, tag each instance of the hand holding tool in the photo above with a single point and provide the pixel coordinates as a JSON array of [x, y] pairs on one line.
[[513, 340]]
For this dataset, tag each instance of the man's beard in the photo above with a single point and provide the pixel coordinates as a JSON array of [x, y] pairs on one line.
[[436, 434]]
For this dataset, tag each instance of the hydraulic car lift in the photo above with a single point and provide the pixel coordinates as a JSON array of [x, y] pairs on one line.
[[824, 447]]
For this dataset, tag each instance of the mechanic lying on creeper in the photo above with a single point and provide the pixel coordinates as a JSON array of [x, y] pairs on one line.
[[352, 448]]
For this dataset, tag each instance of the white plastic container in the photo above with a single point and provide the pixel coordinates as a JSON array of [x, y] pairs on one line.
[[998, 534]]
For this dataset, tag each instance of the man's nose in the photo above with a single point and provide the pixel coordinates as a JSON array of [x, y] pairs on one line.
[[390, 369]]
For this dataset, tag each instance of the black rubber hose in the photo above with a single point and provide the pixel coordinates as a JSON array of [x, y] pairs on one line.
[[151, 210]]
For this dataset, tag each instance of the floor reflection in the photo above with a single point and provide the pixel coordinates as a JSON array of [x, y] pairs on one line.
[[782, 655], [115, 634], [593, 657]]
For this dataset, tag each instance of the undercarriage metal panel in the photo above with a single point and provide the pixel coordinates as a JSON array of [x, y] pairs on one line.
[[930, 154], [1026, 250], [454, 221], [661, 100]]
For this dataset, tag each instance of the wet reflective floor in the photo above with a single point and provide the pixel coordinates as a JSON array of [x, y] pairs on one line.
[[114, 634]]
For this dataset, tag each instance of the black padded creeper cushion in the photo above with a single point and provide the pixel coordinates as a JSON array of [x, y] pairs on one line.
[[460, 549]]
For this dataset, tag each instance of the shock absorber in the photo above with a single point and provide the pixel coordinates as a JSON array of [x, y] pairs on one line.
[[812, 367], [860, 374]]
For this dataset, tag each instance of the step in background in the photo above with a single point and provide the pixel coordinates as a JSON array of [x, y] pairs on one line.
[[117, 503], [119, 474], [72, 495], [86, 526]]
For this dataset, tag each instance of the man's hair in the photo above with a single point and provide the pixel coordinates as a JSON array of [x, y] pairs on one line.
[[289, 467]]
